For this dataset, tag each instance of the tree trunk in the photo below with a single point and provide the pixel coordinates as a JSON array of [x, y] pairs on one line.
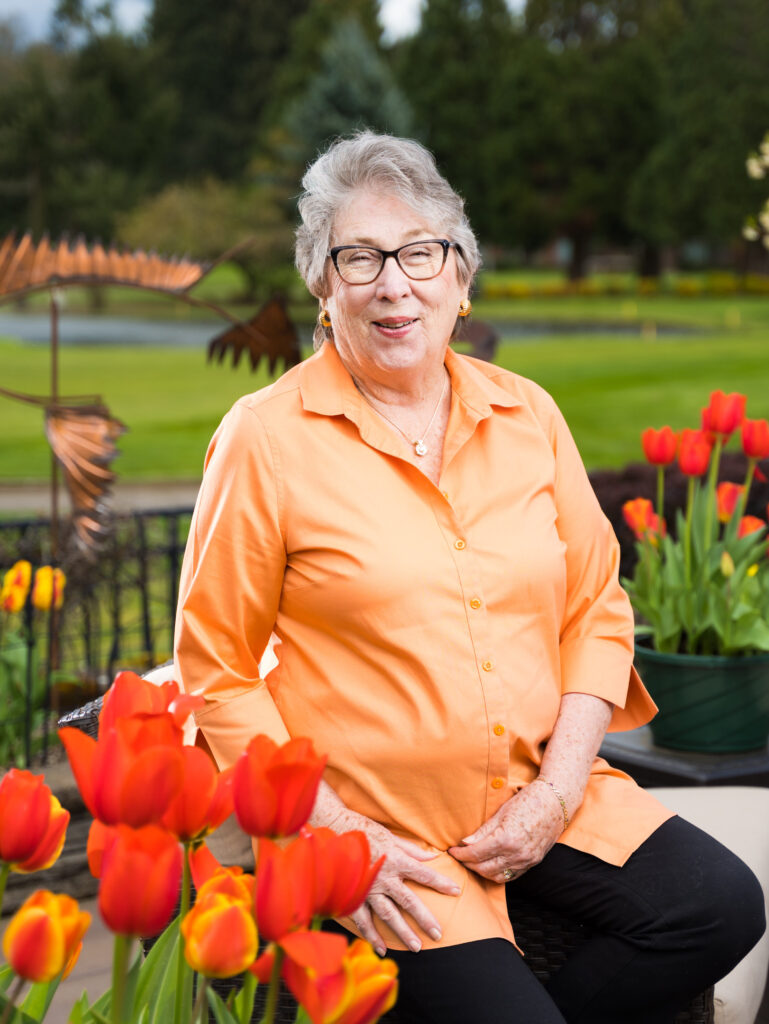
[[650, 260], [579, 252]]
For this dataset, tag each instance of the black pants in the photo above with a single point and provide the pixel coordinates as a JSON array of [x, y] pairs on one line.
[[679, 914]]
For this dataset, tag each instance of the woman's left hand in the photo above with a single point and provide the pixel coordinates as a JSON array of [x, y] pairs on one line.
[[516, 837]]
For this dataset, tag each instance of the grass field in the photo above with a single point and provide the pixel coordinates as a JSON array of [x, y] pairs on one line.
[[609, 387]]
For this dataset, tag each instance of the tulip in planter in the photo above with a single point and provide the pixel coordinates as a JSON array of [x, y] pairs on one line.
[[154, 801], [702, 596]]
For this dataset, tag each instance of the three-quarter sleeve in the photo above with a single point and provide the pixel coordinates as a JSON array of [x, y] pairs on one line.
[[596, 632], [230, 586]]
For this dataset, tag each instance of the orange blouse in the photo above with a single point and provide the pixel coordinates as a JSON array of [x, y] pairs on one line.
[[426, 633]]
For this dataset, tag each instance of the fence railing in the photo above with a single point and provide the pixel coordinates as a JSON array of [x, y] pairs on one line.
[[118, 612]]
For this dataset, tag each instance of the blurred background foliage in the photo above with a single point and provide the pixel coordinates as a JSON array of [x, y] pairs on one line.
[[605, 123]]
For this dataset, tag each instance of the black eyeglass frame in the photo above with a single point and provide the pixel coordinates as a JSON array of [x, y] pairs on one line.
[[387, 253]]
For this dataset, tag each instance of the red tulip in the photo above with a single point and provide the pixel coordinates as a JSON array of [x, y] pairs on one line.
[[33, 823], [141, 872], [220, 931], [130, 695], [374, 985], [204, 801], [750, 524], [315, 971], [44, 937], [723, 415], [284, 888], [727, 497], [694, 452], [343, 871], [275, 787], [659, 446], [755, 438], [132, 773]]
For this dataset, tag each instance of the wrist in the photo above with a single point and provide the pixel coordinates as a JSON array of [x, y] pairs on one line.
[[559, 797]]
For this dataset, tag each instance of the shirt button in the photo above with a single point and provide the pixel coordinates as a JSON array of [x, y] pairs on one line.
[[475, 602], [487, 665], [499, 730], [459, 544], [497, 783]]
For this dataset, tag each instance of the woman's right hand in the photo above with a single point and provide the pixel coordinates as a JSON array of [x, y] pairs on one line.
[[389, 897]]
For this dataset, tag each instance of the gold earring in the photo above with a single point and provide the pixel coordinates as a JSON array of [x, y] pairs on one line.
[[324, 319], [464, 307]]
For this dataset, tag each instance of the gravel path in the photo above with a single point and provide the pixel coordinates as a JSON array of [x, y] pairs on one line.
[[127, 496]]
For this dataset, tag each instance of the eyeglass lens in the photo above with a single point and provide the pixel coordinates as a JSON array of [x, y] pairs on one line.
[[419, 261]]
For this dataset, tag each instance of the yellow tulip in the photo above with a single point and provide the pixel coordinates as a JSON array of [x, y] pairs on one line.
[[49, 588]]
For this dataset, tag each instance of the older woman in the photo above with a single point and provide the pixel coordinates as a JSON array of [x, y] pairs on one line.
[[419, 532]]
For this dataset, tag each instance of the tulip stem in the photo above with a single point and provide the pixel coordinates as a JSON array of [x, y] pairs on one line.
[[271, 1002], [688, 533], [660, 496], [183, 976], [4, 872], [198, 1010], [247, 997], [119, 970], [742, 503], [711, 502], [12, 996]]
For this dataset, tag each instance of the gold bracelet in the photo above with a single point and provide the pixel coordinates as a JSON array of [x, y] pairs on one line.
[[560, 799]]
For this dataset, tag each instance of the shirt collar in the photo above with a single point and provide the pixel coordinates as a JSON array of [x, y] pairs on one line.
[[327, 388]]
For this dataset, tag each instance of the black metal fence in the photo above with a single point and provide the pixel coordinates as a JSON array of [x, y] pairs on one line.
[[118, 612]]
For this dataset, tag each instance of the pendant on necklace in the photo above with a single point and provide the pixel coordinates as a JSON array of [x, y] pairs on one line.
[[420, 447]]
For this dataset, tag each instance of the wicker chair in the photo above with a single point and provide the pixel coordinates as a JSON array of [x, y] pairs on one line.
[[547, 938]]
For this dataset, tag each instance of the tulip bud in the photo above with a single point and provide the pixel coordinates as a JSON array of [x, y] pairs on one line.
[[755, 438], [727, 564], [724, 414], [44, 936], [694, 452], [727, 497], [16, 584], [141, 872], [374, 985], [48, 588], [659, 446], [750, 524]]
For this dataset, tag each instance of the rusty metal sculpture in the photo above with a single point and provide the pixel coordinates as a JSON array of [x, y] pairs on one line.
[[80, 430]]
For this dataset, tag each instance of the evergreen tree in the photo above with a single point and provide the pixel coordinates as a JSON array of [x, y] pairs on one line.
[[219, 60], [353, 89]]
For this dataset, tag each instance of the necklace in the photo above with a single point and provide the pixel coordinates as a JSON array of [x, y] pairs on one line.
[[420, 448]]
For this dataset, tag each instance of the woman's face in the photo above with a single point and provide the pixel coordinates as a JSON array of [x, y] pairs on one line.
[[393, 324]]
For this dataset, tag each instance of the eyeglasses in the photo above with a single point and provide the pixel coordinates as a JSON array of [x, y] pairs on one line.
[[362, 264]]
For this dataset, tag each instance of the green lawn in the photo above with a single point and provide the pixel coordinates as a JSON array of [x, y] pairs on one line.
[[609, 387]]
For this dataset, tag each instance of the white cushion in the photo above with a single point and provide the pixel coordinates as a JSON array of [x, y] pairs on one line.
[[738, 817]]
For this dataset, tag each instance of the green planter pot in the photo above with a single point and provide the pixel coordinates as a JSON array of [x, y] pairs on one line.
[[707, 704]]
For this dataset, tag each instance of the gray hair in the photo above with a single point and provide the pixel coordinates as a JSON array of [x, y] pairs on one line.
[[393, 166]]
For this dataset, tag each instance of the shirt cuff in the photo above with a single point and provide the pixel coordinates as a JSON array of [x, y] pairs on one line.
[[603, 668], [229, 725]]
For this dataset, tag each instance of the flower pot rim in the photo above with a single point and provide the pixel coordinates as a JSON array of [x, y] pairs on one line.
[[700, 659]]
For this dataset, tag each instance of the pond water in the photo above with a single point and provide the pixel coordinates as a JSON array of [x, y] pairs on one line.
[[77, 329]]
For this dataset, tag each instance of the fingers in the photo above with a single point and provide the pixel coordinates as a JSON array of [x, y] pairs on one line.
[[413, 850], [364, 922], [385, 907]]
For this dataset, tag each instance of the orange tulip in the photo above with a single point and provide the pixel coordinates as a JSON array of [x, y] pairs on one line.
[[220, 931], [755, 438], [343, 871], [204, 801], [284, 888], [724, 414], [44, 936], [275, 787], [374, 986], [130, 695], [16, 584], [750, 524], [659, 446], [33, 823], [694, 452], [727, 497], [640, 516], [132, 773], [48, 588], [141, 871]]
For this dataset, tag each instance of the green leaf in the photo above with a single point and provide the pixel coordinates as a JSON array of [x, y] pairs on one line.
[[39, 998], [18, 1015], [220, 1011], [6, 977]]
